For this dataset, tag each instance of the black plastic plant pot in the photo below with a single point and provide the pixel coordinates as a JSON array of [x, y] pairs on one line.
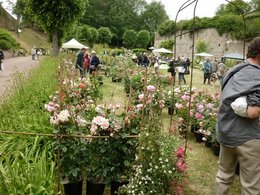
[[95, 188], [199, 137], [115, 185], [170, 110], [73, 188]]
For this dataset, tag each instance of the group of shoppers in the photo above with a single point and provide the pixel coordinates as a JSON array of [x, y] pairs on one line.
[[87, 63]]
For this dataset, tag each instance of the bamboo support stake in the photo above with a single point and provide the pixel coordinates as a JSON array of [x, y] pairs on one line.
[[63, 135]]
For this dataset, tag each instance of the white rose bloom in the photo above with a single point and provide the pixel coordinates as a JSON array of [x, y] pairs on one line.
[[63, 116], [81, 121]]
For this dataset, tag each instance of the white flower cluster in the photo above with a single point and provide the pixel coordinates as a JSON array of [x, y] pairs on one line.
[[99, 121], [60, 118]]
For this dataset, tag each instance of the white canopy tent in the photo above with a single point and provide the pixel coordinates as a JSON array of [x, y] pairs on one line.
[[73, 44], [203, 54], [162, 50]]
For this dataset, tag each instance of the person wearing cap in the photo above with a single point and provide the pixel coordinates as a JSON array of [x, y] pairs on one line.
[[94, 62], [80, 61]]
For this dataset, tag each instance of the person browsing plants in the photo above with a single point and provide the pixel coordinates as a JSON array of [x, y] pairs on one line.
[[94, 62], [239, 136]]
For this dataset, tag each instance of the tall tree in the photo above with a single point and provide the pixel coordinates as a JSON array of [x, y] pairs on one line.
[[143, 38], [234, 7], [130, 37], [56, 15], [104, 35], [153, 16]]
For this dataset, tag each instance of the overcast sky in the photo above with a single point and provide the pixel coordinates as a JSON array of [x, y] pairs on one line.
[[205, 8]]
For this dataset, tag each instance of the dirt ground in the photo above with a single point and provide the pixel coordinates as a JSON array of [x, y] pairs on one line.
[[12, 65]]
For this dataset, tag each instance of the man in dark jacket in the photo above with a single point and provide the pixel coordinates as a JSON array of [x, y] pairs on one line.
[[80, 61]]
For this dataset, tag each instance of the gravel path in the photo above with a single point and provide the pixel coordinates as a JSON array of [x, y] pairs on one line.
[[12, 65]]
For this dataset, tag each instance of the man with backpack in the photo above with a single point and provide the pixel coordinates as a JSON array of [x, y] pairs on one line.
[[207, 69], [239, 136], [2, 56]]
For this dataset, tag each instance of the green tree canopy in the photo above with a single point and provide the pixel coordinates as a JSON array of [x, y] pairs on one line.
[[130, 37], [201, 46], [55, 16], [104, 35], [154, 15], [234, 7], [143, 38]]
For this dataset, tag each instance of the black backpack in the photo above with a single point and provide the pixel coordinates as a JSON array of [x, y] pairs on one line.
[[228, 77]]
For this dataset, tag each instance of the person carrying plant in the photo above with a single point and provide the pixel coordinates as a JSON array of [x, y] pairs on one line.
[[239, 136]]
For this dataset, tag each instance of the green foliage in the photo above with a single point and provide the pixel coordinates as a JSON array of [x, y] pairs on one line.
[[130, 37], [235, 7], [253, 28], [143, 38], [154, 14], [139, 50], [229, 24], [167, 28], [63, 13], [104, 35], [118, 51], [23, 106], [120, 15], [7, 41], [167, 44], [29, 169], [201, 46]]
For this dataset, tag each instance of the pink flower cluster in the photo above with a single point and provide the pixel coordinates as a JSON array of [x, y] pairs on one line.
[[181, 165], [51, 107], [151, 88], [99, 121]]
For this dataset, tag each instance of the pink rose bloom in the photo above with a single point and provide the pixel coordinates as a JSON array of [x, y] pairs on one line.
[[139, 106], [181, 165], [141, 96], [200, 107], [209, 106], [180, 190], [93, 129], [181, 120], [185, 97], [191, 113], [198, 115], [178, 106], [151, 88], [110, 106], [180, 152], [50, 107]]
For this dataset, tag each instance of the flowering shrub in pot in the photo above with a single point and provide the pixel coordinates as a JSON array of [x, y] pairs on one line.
[[71, 110], [110, 159]]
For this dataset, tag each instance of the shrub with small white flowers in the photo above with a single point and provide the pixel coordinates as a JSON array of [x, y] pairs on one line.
[[160, 165]]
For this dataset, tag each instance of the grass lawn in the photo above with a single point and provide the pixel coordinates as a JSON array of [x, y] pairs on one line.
[[202, 163]]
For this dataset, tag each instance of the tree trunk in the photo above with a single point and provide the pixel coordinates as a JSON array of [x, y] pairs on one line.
[[18, 24], [55, 43]]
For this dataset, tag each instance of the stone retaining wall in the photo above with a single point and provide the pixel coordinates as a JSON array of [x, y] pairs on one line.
[[217, 45]]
